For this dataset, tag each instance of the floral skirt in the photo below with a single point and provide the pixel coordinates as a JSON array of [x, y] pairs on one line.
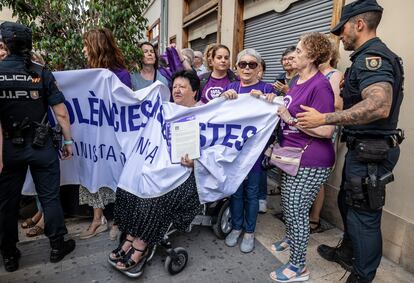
[[100, 199], [149, 218]]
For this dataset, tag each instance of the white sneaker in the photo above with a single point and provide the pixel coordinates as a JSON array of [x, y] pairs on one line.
[[262, 206], [231, 239]]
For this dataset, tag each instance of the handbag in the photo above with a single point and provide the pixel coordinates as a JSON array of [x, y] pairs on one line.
[[286, 158]]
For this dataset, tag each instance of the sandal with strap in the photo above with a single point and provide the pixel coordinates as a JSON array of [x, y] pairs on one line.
[[119, 253], [281, 246], [28, 223], [317, 228], [299, 274], [128, 262], [35, 231]]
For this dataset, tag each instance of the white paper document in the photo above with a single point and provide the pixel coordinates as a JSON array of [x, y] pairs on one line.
[[185, 139]]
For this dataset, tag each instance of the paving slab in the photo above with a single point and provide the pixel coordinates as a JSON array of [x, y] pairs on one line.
[[210, 260]]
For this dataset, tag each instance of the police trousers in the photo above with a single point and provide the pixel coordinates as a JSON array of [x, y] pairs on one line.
[[363, 226], [44, 167]]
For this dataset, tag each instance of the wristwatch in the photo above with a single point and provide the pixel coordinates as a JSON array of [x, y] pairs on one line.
[[292, 121]]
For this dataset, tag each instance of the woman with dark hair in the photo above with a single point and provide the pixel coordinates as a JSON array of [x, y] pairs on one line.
[[214, 82], [283, 80], [148, 68], [101, 51], [299, 191], [146, 220]]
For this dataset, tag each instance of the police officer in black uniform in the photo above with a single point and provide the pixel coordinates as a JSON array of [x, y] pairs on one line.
[[372, 95], [26, 91]]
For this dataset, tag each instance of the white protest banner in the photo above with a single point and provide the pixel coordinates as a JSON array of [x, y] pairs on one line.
[[233, 135], [120, 137]]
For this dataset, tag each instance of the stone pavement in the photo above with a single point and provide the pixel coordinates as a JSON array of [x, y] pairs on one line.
[[209, 259]]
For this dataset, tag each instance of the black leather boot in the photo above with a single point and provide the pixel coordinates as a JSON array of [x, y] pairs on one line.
[[60, 248], [11, 260], [354, 278], [341, 254]]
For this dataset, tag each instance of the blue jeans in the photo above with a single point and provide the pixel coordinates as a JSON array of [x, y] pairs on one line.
[[244, 203], [263, 186]]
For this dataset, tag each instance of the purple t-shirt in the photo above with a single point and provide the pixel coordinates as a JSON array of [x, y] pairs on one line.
[[124, 76], [265, 88], [261, 85], [213, 88], [317, 93]]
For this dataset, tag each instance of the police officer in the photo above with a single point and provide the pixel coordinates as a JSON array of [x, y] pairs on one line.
[[26, 91], [372, 95]]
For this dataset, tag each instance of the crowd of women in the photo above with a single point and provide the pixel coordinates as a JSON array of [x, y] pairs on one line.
[[309, 80]]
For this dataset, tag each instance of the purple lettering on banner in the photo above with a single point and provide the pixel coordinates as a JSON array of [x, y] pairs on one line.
[[122, 118], [133, 116], [79, 112], [248, 132], [203, 139], [229, 136], [111, 153], [152, 154], [93, 111], [103, 111], [216, 128]]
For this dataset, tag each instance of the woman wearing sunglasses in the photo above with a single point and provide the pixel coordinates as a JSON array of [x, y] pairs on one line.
[[244, 203]]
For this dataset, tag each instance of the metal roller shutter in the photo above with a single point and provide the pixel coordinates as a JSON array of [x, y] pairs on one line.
[[272, 32], [200, 44]]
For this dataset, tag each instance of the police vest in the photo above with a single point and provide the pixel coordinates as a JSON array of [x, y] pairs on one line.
[[351, 94], [22, 95]]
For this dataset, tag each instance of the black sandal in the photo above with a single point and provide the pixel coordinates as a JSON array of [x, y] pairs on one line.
[[129, 262], [119, 252]]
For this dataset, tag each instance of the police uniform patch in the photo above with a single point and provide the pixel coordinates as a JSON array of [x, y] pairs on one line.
[[34, 94], [373, 63]]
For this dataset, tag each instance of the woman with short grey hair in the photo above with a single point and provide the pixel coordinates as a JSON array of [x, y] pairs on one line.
[[244, 203], [250, 52]]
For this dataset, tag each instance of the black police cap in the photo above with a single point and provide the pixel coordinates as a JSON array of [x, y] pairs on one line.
[[16, 36], [353, 9]]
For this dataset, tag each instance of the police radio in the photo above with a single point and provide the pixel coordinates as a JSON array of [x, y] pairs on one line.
[[41, 133]]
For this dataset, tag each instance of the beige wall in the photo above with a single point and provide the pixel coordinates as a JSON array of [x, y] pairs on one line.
[[175, 20], [153, 12], [227, 23]]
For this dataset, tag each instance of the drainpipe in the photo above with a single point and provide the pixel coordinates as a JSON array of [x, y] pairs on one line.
[[164, 26]]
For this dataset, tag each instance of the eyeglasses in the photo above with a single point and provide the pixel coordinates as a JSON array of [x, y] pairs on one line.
[[244, 64], [287, 58]]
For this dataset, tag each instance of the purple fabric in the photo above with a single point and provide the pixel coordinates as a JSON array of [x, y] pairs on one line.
[[174, 61], [174, 65], [265, 88], [213, 88], [317, 93], [124, 76], [261, 85]]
